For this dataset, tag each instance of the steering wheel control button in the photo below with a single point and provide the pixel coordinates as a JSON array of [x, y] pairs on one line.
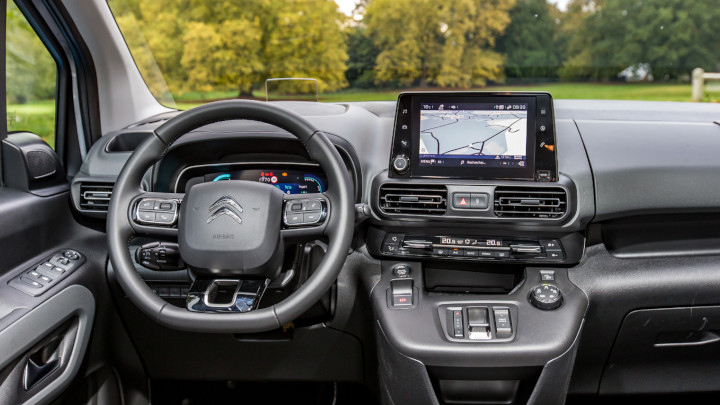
[[401, 163], [147, 205], [160, 256], [312, 205], [401, 271], [152, 211], [503, 326], [546, 297], [41, 277], [304, 212]]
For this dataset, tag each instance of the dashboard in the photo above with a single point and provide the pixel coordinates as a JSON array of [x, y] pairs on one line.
[[485, 195]]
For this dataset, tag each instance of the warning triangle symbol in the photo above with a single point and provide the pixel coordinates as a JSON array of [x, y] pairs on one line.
[[463, 202]]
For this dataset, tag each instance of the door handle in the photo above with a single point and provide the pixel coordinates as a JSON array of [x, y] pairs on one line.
[[34, 373], [41, 363]]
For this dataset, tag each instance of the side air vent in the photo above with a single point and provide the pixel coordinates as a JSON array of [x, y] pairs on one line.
[[413, 199], [95, 196], [530, 202]]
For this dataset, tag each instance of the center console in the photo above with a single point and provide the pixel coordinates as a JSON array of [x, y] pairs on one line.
[[475, 225]]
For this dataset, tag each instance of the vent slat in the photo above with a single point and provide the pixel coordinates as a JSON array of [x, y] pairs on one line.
[[530, 202], [413, 199], [95, 196]]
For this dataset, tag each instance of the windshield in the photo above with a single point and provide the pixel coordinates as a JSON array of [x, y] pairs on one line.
[[191, 52]]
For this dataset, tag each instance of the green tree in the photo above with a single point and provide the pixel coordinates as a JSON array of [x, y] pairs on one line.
[[194, 45], [30, 71], [673, 36], [529, 41], [362, 54], [445, 43]]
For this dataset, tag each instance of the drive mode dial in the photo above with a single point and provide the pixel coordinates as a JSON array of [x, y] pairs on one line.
[[401, 163], [546, 297]]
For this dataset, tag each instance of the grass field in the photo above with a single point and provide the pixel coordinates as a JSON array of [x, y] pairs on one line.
[[39, 117]]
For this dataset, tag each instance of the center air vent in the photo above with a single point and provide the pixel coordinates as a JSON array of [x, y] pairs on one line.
[[413, 199], [530, 202], [95, 196]]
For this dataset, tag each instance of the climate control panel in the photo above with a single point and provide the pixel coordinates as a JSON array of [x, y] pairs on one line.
[[472, 247]]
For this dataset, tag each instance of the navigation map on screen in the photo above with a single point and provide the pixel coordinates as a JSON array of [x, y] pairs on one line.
[[473, 135]]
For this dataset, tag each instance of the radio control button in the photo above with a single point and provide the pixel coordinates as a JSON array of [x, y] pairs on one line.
[[401, 163]]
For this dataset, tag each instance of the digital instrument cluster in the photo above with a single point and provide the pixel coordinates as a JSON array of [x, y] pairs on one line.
[[289, 181]]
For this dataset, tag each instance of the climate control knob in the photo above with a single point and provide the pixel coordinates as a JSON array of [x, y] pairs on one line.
[[401, 163], [546, 297]]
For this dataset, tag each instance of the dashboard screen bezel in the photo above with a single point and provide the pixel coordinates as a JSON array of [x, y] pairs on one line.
[[541, 157]]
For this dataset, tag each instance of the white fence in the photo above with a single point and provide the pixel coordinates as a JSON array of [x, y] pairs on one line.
[[699, 76]]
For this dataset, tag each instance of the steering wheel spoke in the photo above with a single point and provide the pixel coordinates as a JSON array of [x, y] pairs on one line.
[[305, 216], [225, 294], [155, 214]]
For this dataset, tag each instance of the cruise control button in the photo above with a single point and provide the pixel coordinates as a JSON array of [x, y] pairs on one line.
[[147, 205], [146, 216], [312, 205]]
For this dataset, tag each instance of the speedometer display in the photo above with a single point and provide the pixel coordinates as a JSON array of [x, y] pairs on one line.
[[288, 181]]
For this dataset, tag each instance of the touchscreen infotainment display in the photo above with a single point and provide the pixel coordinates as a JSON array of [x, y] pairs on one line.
[[473, 134]]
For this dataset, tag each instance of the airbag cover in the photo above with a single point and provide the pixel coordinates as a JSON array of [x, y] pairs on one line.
[[231, 228]]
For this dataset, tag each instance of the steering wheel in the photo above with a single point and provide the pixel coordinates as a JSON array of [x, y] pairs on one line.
[[231, 233]]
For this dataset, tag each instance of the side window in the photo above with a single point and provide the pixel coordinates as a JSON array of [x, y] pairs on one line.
[[31, 77]]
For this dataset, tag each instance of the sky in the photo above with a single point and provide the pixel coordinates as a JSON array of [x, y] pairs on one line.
[[347, 6]]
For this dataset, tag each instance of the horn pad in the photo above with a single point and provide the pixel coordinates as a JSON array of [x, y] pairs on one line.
[[231, 228]]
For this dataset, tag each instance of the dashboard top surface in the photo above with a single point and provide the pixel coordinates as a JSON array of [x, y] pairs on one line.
[[622, 156]]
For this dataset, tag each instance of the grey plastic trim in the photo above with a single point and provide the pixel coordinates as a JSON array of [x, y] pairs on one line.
[[20, 336]]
